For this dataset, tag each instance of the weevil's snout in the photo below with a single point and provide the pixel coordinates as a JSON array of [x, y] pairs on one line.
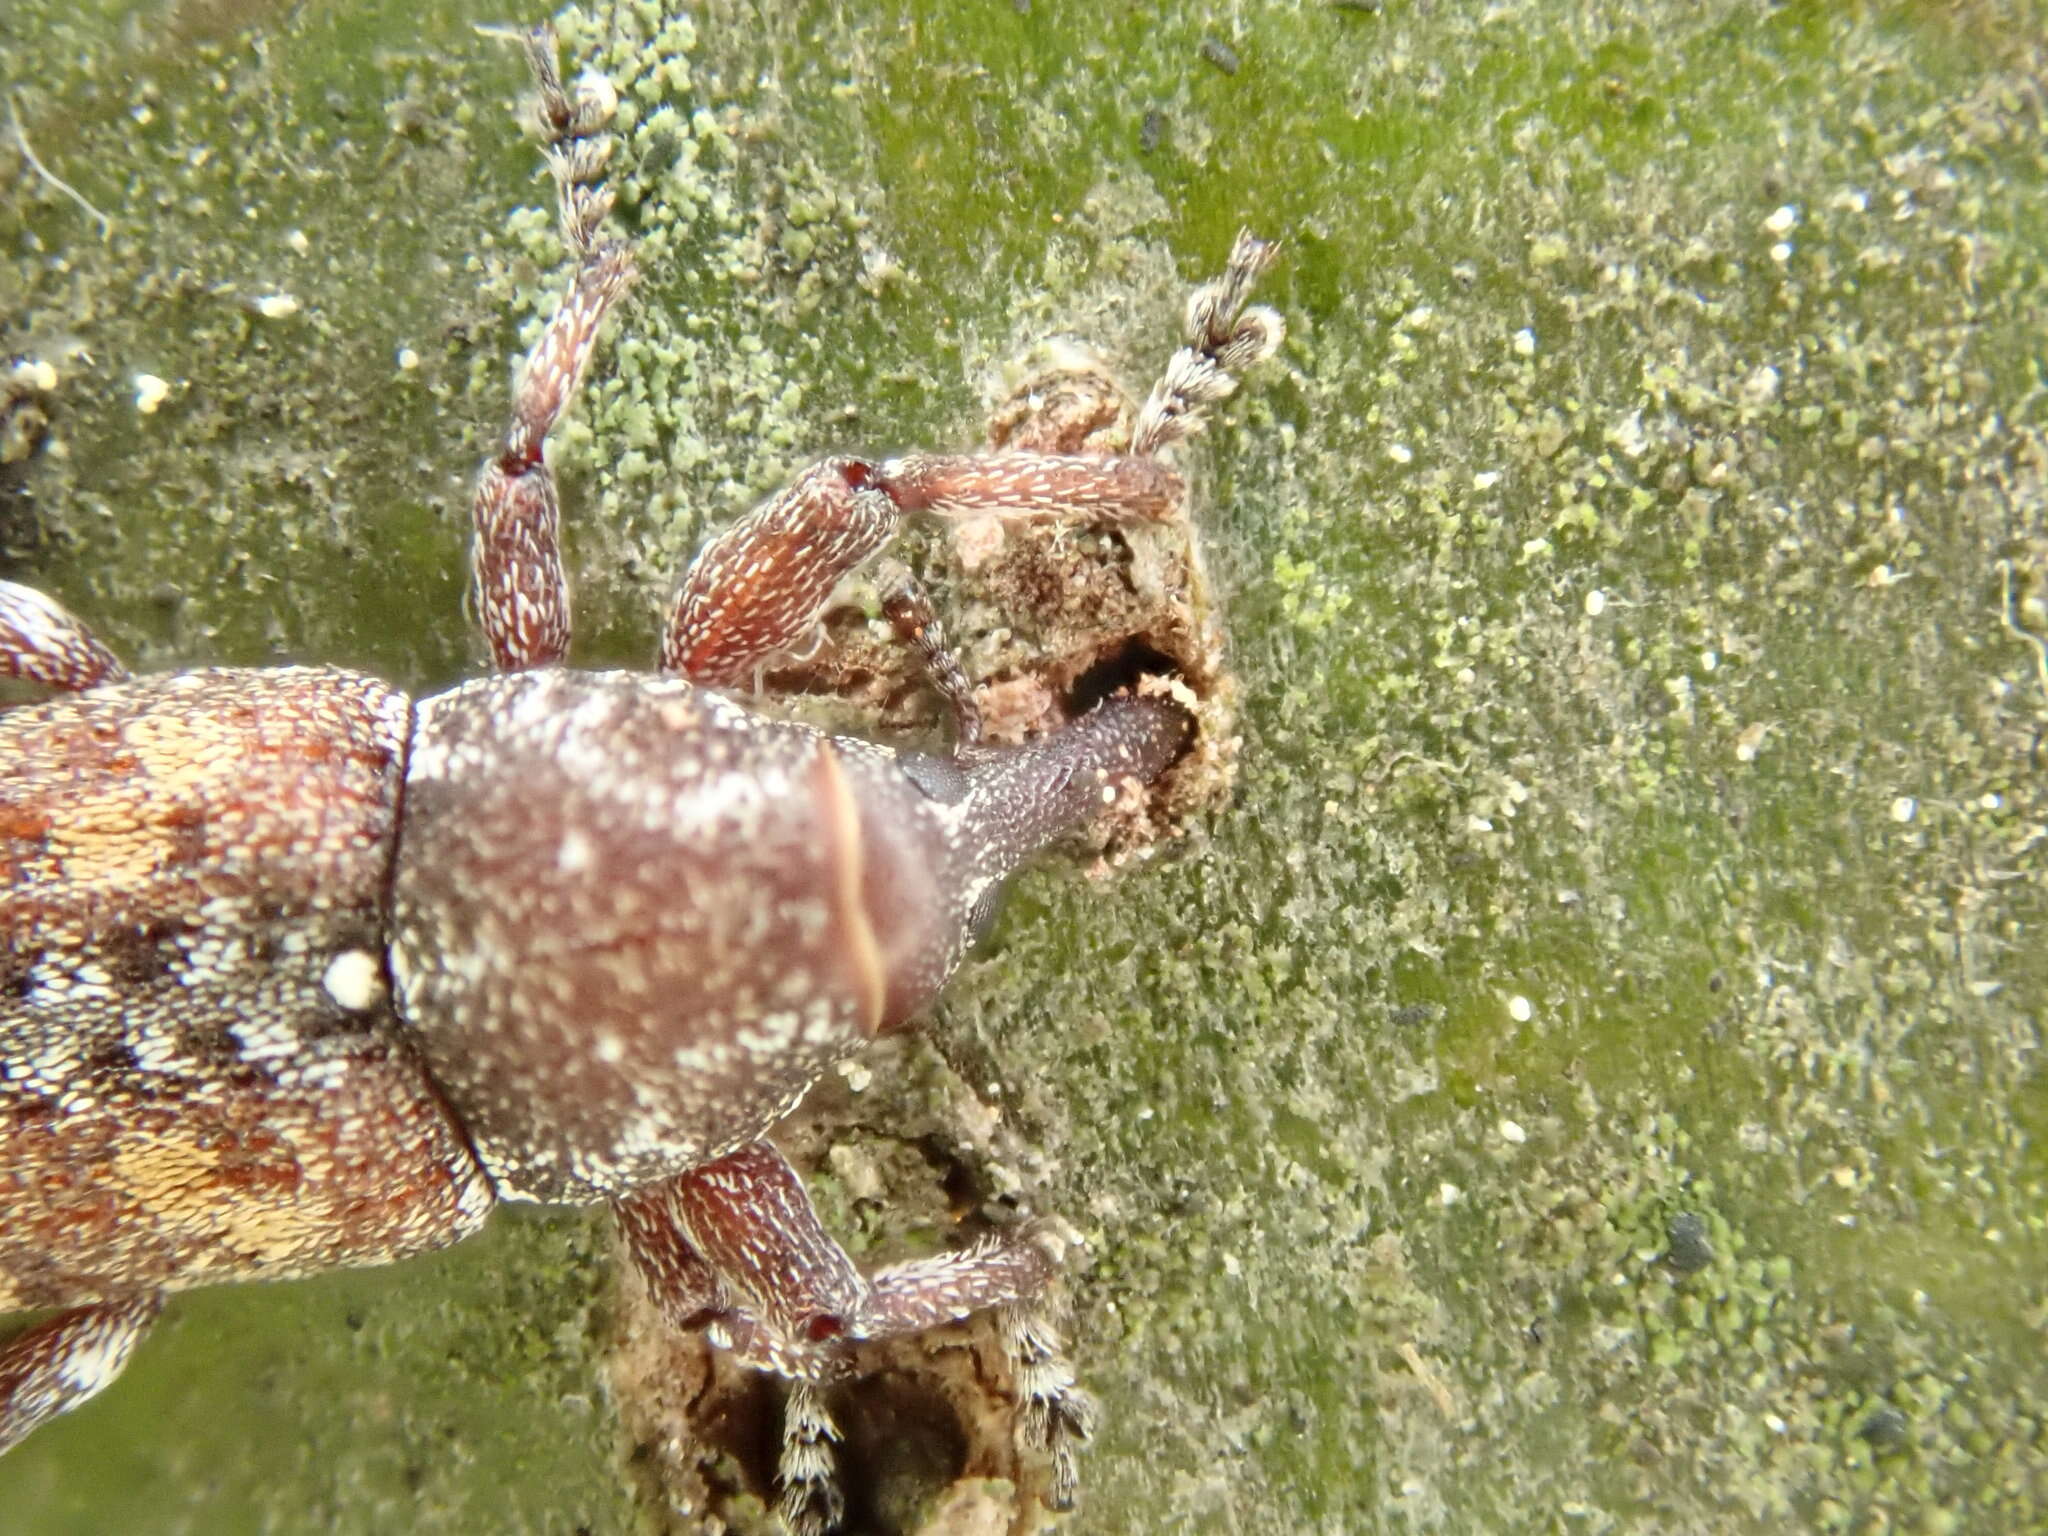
[[1021, 798], [939, 834]]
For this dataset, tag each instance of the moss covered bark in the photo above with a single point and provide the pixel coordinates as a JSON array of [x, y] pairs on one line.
[[1589, 1080]]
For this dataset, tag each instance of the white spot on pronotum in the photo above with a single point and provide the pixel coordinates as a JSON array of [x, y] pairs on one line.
[[150, 392], [609, 1047], [354, 980], [574, 853], [1520, 1009]]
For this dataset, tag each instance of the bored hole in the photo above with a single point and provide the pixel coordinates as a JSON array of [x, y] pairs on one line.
[[1118, 671]]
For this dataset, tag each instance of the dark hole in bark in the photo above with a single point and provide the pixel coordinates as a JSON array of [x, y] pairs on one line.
[[1118, 671]]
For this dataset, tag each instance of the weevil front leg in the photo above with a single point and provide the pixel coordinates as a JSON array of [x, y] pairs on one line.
[[42, 642], [62, 1361], [736, 1246], [756, 590], [516, 553]]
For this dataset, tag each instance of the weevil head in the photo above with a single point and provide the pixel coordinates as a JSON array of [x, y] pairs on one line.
[[633, 922]]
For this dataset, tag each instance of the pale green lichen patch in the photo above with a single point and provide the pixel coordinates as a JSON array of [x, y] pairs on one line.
[[234, 415]]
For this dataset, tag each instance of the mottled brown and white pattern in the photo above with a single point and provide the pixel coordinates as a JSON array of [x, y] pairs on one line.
[[41, 642], [756, 589], [201, 1077], [515, 558], [633, 921]]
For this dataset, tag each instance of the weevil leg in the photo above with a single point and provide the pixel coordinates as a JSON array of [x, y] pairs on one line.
[[516, 552], [1125, 488], [749, 1217], [1058, 1417], [757, 589], [737, 1246], [908, 607], [1014, 1277], [42, 642], [1222, 338], [684, 1288], [811, 1503], [62, 1361]]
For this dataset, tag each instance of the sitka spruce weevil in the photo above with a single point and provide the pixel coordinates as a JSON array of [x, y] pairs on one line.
[[297, 972]]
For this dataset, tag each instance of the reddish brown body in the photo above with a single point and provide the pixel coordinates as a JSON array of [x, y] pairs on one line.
[[184, 861], [630, 923], [634, 921]]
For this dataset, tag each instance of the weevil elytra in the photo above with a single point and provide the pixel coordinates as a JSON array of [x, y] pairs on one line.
[[298, 972]]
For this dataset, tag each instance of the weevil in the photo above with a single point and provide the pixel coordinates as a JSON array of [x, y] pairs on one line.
[[298, 972]]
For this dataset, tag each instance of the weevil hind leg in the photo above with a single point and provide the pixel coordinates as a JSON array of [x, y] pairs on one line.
[[42, 642], [61, 1361], [516, 551]]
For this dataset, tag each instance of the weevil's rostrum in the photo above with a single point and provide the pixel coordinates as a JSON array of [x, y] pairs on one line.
[[299, 973]]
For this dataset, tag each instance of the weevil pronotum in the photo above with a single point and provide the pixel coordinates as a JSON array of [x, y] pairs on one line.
[[297, 972]]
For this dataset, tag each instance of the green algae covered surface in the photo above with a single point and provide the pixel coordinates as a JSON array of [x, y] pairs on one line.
[[1589, 1080]]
